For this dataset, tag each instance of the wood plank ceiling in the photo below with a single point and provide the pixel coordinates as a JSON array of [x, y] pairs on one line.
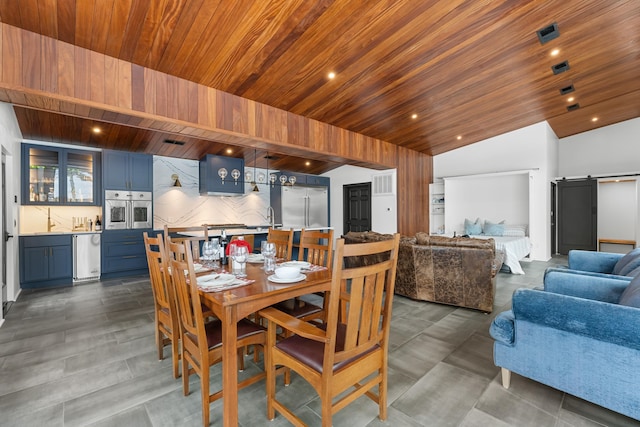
[[467, 70]]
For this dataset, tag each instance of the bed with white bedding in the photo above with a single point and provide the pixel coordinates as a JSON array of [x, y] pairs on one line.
[[514, 248]]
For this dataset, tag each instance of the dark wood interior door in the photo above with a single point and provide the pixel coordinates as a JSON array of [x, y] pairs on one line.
[[577, 215], [357, 207]]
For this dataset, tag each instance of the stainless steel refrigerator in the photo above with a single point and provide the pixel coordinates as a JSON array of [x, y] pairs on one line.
[[305, 207]]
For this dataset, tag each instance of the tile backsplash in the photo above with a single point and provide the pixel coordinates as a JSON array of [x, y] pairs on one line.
[[185, 206]]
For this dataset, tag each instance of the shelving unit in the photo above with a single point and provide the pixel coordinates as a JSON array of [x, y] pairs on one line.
[[436, 208]]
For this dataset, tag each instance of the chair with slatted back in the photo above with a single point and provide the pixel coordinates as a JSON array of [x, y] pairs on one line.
[[167, 331], [202, 342], [283, 240], [200, 234], [348, 355], [316, 247], [249, 238]]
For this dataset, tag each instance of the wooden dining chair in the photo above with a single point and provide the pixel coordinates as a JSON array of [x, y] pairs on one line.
[[202, 342], [175, 235], [283, 240], [249, 238], [316, 247], [167, 330], [347, 356]]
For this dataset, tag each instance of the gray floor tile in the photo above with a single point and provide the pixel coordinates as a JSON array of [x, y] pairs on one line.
[[137, 417], [85, 355], [511, 409], [442, 397]]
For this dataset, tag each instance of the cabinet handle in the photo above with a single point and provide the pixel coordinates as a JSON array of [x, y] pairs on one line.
[[130, 243], [129, 256]]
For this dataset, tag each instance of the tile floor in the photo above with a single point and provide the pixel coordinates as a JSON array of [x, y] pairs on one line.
[[85, 355]]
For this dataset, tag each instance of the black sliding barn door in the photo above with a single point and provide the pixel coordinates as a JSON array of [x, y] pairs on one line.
[[577, 215]]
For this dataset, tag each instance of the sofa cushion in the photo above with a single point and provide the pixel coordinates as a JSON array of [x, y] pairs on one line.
[[634, 273], [622, 262], [631, 295], [631, 265], [422, 238]]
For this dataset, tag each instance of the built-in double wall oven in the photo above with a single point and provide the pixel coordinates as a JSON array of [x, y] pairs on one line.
[[128, 210]]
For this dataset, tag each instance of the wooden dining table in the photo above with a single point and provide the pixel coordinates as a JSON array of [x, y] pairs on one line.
[[236, 303]]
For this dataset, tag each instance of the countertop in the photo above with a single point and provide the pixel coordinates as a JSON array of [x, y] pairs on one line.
[[53, 233]]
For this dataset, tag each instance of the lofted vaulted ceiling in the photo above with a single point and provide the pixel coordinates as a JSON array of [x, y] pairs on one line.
[[467, 70]]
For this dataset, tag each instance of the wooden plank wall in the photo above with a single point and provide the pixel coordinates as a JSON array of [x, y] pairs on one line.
[[44, 73]]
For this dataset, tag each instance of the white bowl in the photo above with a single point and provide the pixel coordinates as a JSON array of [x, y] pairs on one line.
[[287, 272]]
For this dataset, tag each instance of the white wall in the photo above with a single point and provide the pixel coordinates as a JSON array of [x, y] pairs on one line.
[[531, 148], [609, 150], [383, 208], [10, 137]]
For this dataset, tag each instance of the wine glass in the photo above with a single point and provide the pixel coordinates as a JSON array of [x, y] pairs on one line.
[[207, 253], [239, 255]]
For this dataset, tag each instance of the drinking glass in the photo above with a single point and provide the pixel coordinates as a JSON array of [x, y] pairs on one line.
[[269, 253], [239, 255], [215, 244]]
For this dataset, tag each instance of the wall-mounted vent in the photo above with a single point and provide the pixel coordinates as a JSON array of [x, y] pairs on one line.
[[560, 68], [171, 141], [383, 184], [567, 89], [573, 107], [548, 33]]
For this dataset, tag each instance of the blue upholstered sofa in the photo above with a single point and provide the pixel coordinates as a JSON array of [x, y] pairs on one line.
[[605, 262], [578, 336]]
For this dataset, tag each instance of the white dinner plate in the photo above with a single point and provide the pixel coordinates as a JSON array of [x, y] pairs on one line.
[[276, 279], [301, 264], [215, 280], [255, 258]]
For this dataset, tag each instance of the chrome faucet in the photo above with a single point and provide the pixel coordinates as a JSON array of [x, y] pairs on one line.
[[50, 224], [271, 217]]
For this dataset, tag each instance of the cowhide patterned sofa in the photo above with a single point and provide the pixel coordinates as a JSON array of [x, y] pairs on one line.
[[458, 271]]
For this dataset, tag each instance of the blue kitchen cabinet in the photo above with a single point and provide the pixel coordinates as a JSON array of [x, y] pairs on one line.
[[303, 179], [127, 171], [60, 176], [123, 253], [322, 181], [210, 180], [45, 261]]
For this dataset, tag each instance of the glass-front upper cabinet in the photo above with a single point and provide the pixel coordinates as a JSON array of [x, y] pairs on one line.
[[44, 175], [56, 175], [80, 177]]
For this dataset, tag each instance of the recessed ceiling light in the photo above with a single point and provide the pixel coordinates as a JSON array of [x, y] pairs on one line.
[[307, 163], [229, 151], [459, 137], [594, 119], [570, 99], [331, 75], [414, 116], [555, 52], [96, 129]]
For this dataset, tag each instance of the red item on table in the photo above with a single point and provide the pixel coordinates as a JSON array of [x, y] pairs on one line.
[[238, 242]]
